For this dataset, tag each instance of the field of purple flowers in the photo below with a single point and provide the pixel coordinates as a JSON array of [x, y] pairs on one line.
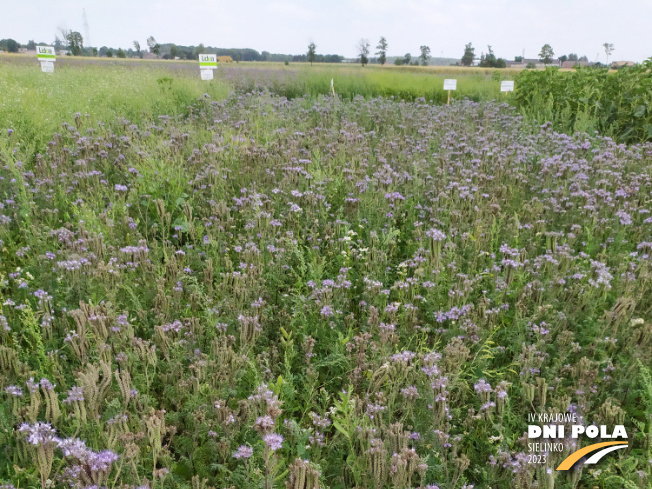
[[310, 293]]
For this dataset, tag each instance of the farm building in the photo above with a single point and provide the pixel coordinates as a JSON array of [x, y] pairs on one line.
[[536, 62], [620, 64], [573, 64]]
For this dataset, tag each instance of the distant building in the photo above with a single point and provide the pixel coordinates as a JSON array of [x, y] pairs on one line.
[[620, 64], [148, 55], [534, 61], [22, 50], [573, 64]]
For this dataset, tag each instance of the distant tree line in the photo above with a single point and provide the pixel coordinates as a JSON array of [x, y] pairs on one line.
[[72, 43]]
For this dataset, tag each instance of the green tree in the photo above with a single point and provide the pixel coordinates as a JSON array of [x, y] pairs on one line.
[[121, 53], [563, 58], [174, 51], [312, 50], [31, 45], [382, 51], [572, 57], [469, 55], [546, 54], [488, 60], [518, 59], [9, 45], [363, 51], [109, 53], [154, 47], [137, 48], [425, 55], [201, 49], [407, 58], [608, 50], [75, 42]]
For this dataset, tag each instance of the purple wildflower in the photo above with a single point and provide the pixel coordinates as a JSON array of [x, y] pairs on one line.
[[243, 451], [274, 441]]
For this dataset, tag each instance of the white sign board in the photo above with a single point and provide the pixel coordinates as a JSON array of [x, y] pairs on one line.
[[45, 53], [47, 66], [208, 61], [507, 86], [207, 74], [450, 84]]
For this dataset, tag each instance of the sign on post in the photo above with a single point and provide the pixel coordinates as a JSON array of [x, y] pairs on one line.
[[207, 63], [507, 86], [450, 84], [47, 56]]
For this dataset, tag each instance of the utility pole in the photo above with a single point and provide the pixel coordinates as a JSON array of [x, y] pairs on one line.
[[87, 30]]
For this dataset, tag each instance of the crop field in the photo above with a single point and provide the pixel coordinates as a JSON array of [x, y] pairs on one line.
[[247, 283]]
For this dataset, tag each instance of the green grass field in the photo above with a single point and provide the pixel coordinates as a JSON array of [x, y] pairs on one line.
[[250, 283], [34, 104]]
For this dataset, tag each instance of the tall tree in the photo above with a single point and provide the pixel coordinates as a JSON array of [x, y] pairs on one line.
[[312, 51], [137, 48], [608, 49], [382, 51], [363, 51], [407, 58], [9, 45], [469, 55], [75, 42], [174, 51], [546, 54], [572, 57], [154, 47], [489, 60], [425, 55]]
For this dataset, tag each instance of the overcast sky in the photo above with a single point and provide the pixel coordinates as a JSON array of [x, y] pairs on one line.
[[336, 26]]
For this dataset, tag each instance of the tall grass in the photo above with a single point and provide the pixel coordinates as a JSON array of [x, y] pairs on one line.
[[409, 83], [34, 104]]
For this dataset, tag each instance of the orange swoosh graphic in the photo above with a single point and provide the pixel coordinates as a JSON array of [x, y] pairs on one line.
[[575, 456]]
